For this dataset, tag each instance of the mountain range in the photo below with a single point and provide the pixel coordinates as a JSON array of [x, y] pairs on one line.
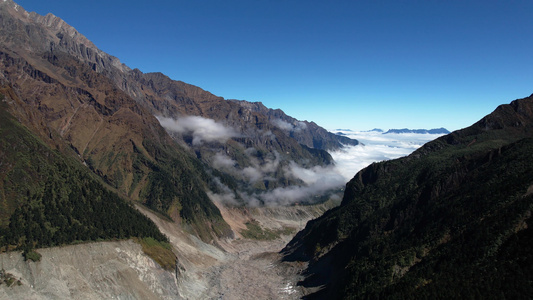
[[86, 143], [163, 143], [400, 131], [419, 131]]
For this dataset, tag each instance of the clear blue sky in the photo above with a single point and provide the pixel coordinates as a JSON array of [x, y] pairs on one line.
[[342, 64]]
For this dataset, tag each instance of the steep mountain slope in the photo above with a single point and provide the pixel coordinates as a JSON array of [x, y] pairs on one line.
[[451, 220], [49, 199], [255, 140], [81, 113]]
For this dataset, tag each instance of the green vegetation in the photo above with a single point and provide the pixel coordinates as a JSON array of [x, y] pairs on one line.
[[159, 251], [8, 278], [177, 184], [255, 231], [451, 221], [32, 255], [48, 199]]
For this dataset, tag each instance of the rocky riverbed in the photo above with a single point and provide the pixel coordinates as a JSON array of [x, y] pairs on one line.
[[238, 268]]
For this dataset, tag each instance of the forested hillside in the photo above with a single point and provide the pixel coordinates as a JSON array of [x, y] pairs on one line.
[[452, 220], [48, 199]]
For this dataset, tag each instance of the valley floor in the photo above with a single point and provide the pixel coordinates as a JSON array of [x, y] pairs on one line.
[[245, 268], [253, 272], [238, 268]]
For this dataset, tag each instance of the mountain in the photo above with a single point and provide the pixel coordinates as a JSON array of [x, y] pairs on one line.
[[80, 113], [419, 131], [451, 220], [259, 136], [49, 199], [166, 144]]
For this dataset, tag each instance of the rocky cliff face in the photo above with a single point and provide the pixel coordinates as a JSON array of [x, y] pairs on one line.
[[452, 220]]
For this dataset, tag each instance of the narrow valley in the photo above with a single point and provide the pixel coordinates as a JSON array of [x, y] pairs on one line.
[[118, 183], [241, 268]]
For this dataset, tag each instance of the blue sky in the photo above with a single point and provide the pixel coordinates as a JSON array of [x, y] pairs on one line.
[[341, 64]]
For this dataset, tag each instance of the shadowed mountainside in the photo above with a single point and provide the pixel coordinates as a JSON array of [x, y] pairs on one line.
[[451, 220]]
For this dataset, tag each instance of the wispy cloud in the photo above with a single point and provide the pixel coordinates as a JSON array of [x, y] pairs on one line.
[[286, 126], [256, 171], [316, 182], [222, 161], [225, 196], [201, 129]]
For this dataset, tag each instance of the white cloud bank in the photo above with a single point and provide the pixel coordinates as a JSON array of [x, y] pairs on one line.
[[318, 180], [202, 129], [377, 147]]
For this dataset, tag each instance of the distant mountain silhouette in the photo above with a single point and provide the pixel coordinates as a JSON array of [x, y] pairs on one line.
[[419, 131]]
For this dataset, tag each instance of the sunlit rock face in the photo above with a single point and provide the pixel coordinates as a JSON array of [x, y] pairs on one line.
[[263, 143]]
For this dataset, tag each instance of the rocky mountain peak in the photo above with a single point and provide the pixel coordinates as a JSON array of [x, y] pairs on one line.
[[14, 9], [61, 28], [53, 23], [11, 4], [37, 33]]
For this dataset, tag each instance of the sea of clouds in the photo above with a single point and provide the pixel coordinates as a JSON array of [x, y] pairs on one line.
[[375, 146]]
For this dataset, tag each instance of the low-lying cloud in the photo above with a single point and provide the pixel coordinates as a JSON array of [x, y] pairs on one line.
[[226, 195], [377, 147], [201, 129], [318, 181], [258, 169], [286, 126], [222, 161]]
